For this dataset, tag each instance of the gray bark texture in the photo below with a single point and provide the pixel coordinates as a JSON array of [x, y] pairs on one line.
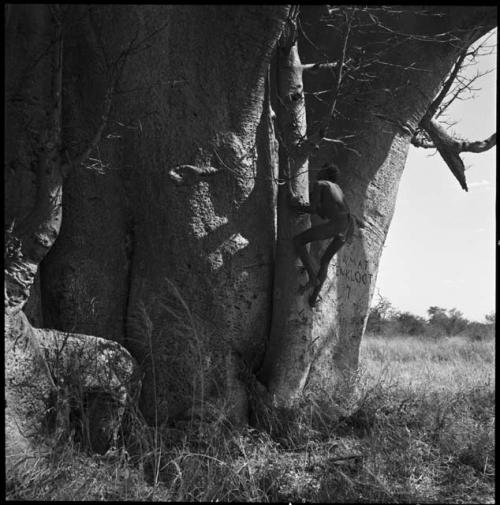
[[285, 368], [175, 242], [380, 115]]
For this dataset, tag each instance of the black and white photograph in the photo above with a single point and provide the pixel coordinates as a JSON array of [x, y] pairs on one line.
[[250, 252]]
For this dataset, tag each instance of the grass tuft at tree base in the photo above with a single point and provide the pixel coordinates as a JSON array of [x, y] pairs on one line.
[[422, 430]]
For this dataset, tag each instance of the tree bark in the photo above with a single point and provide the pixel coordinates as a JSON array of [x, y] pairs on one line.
[[46, 369], [196, 274], [450, 148], [283, 370], [377, 118]]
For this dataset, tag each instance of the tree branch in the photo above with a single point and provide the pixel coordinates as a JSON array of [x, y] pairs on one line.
[[39, 230], [314, 67], [444, 91], [78, 160], [289, 34], [450, 148], [311, 144], [116, 72], [30, 241], [338, 84], [186, 174], [478, 146]]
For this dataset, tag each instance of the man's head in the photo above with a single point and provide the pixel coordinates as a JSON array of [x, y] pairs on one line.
[[329, 173]]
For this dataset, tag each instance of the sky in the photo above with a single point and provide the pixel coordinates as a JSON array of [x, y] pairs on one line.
[[440, 249]]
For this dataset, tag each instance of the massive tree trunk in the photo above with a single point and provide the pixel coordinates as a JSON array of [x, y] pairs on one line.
[[182, 227], [285, 367], [49, 374], [168, 237], [408, 58]]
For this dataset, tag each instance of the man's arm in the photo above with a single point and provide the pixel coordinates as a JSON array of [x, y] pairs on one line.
[[299, 205], [315, 198], [302, 207]]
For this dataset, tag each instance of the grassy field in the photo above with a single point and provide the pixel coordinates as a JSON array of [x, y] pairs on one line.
[[424, 432]]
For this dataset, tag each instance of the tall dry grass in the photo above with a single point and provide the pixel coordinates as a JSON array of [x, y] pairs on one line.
[[423, 431], [433, 438]]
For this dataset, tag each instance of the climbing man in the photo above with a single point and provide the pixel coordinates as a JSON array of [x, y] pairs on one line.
[[328, 202]]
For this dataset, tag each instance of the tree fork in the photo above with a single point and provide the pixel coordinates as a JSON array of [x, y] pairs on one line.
[[48, 357], [448, 147], [40, 229]]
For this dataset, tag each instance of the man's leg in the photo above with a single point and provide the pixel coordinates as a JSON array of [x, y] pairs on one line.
[[333, 248], [319, 232]]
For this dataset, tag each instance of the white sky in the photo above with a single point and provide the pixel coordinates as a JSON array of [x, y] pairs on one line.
[[440, 249]]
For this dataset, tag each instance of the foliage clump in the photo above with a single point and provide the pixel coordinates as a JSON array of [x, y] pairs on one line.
[[385, 319]]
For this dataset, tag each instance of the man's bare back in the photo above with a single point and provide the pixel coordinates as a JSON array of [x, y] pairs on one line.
[[327, 200]]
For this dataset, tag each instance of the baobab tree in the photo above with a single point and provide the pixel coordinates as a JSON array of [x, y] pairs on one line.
[[181, 133]]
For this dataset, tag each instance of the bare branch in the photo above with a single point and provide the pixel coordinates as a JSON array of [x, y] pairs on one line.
[[314, 67], [39, 230], [305, 146], [117, 67], [289, 33], [450, 148], [116, 74], [78, 160], [338, 84], [446, 144], [411, 66], [445, 89], [479, 146], [187, 174], [457, 92], [446, 148]]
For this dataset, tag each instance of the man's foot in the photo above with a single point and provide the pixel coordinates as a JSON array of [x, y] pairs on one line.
[[313, 299], [315, 294], [313, 283]]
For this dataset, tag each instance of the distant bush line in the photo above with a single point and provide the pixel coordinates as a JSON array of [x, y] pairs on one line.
[[387, 321]]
